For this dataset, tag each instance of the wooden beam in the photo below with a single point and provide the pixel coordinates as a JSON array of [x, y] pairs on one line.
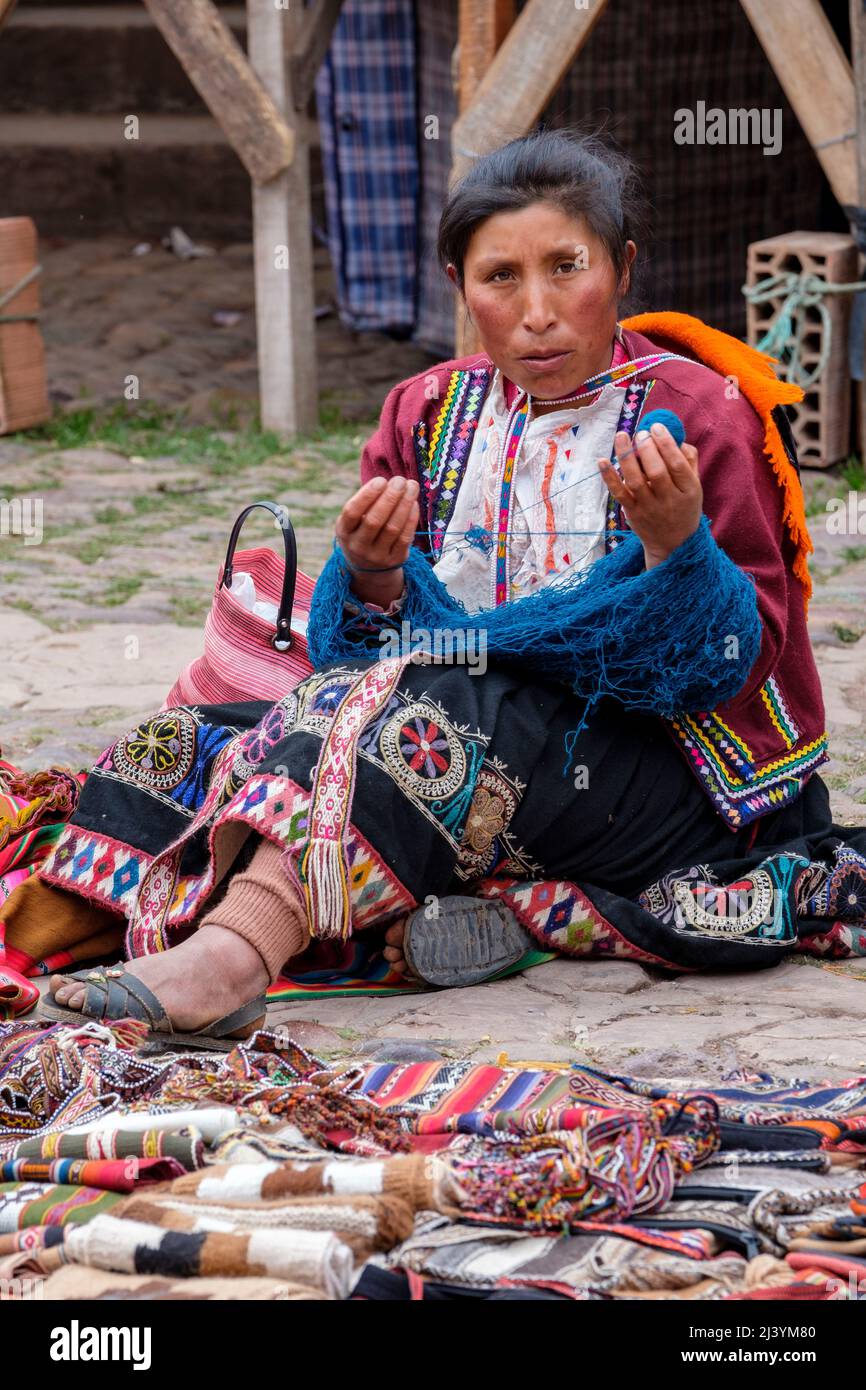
[[526, 71], [6, 8], [314, 36], [815, 76], [283, 245], [215, 64], [482, 27]]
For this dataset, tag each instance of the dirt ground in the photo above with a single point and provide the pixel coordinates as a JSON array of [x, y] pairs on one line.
[[186, 328], [99, 618]]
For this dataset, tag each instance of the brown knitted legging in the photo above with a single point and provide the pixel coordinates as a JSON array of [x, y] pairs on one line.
[[264, 907]]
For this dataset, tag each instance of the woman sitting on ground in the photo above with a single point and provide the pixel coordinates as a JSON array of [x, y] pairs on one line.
[[559, 798]]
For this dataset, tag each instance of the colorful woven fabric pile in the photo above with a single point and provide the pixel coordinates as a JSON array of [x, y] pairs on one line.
[[264, 1174], [34, 807]]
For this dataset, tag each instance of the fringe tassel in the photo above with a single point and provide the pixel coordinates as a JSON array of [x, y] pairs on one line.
[[323, 874]]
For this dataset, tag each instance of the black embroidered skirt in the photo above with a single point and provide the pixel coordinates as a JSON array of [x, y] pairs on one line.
[[422, 780]]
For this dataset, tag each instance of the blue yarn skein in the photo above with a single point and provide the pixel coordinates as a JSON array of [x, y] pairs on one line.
[[669, 418]]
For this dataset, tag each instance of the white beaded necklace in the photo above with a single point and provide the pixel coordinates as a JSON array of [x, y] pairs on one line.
[[622, 373]]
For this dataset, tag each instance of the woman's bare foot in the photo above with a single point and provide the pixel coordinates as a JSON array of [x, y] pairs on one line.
[[393, 951], [209, 975]]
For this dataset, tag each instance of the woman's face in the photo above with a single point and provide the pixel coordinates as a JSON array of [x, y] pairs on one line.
[[542, 292]]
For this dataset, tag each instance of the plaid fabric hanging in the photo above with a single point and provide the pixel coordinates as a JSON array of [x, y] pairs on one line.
[[366, 99]]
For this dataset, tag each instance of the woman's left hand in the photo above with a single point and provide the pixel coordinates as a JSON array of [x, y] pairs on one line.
[[660, 489]]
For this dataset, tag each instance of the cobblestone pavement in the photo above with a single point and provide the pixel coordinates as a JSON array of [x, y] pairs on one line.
[[99, 618]]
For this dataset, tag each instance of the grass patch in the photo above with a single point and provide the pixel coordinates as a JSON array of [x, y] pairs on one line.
[[108, 516], [817, 505], [852, 471], [837, 781], [847, 634], [309, 460], [91, 550], [315, 516], [33, 488], [56, 533], [26, 605], [153, 432], [119, 590]]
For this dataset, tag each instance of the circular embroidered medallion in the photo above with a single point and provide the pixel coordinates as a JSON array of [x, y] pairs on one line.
[[422, 752], [328, 695], [846, 891], [160, 752]]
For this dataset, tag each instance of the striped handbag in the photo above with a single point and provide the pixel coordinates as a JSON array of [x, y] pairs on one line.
[[248, 657]]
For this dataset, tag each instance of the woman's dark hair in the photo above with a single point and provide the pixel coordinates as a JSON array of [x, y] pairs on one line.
[[582, 173]]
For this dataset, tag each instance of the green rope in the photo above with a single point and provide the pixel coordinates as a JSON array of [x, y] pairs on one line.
[[8, 295], [784, 337]]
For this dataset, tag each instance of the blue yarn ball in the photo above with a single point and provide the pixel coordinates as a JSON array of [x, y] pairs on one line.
[[669, 419]]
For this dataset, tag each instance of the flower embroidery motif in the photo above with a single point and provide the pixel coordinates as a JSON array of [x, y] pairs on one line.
[[425, 748], [847, 892], [326, 699], [261, 740], [488, 817], [159, 753], [423, 752]]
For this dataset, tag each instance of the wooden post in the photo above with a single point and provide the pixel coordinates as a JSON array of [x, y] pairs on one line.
[[283, 245], [483, 25], [858, 61], [815, 76], [6, 8]]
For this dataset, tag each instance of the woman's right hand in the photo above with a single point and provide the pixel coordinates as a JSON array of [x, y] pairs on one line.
[[375, 531]]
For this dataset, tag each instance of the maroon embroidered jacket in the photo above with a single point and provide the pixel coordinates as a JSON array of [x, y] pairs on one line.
[[755, 752]]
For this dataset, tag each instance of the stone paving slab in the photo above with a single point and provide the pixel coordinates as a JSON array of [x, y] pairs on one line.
[[797, 1016]]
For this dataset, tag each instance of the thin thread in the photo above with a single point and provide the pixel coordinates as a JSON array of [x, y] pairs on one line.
[[458, 543], [497, 535]]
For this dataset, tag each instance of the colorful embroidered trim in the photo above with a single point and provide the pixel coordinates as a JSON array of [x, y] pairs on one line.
[[320, 864], [778, 711], [562, 918], [442, 458], [632, 409], [516, 431], [448, 449], [275, 807], [738, 801], [624, 371]]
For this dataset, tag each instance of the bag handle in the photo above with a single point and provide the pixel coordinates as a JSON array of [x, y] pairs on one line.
[[282, 639]]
